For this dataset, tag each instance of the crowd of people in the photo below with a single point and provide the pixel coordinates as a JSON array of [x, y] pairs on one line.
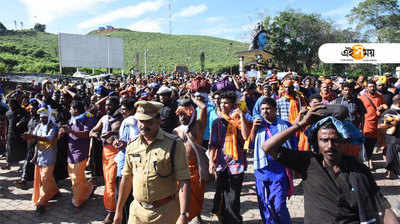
[[158, 139]]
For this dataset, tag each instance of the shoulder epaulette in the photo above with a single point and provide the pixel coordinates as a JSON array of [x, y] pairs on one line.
[[170, 136], [131, 141]]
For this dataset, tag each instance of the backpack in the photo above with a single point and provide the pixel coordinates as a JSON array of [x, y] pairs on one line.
[[200, 85], [224, 84]]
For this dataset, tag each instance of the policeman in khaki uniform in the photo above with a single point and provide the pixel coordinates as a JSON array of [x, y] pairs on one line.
[[156, 168]]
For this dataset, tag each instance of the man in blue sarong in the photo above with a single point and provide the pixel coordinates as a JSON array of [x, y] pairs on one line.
[[271, 177]]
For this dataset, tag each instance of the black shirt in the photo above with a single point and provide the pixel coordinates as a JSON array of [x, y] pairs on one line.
[[63, 115], [169, 119], [50, 102], [356, 109], [13, 117], [395, 138], [328, 197], [388, 96]]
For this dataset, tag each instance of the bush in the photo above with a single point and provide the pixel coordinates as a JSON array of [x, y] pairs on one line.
[[2, 28], [39, 27], [39, 53], [9, 48], [9, 60], [3, 67]]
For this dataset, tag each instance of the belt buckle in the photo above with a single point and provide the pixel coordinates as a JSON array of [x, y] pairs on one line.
[[146, 205]]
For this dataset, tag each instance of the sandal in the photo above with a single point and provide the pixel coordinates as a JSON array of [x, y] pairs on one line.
[[388, 175], [91, 194], [6, 167], [20, 183], [109, 218], [40, 209]]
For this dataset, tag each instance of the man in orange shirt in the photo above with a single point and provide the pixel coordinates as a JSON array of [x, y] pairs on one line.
[[375, 105]]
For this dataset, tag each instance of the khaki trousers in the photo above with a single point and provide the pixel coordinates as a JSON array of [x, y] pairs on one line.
[[166, 214]]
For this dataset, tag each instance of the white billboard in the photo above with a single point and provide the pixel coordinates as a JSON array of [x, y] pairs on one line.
[[90, 51]]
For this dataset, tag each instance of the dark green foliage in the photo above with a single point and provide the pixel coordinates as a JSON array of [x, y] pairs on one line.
[[8, 48], [39, 27], [379, 18], [39, 53], [2, 28], [295, 38]]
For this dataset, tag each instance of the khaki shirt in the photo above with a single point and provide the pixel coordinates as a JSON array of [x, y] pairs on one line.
[[143, 161]]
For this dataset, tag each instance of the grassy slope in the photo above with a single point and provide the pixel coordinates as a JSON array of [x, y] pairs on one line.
[[30, 39], [165, 51]]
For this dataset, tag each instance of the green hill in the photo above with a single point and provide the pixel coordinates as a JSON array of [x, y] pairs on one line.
[[31, 51]]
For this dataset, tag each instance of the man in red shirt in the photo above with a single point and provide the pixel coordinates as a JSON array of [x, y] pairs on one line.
[[375, 105]]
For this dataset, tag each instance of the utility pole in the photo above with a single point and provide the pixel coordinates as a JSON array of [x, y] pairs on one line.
[[145, 60], [170, 16], [202, 59], [137, 62], [108, 53], [379, 41], [59, 53], [188, 62], [230, 57]]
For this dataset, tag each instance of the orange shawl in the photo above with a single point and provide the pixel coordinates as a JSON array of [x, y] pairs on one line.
[[303, 142], [231, 137], [293, 108]]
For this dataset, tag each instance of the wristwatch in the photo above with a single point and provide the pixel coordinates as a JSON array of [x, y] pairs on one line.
[[186, 214]]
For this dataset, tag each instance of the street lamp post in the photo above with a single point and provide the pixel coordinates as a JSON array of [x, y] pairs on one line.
[[188, 62], [108, 53], [230, 57], [145, 60]]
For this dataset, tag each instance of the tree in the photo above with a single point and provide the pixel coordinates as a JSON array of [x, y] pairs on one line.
[[295, 38], [202, 59], [39, 27], [2, 28], [3, 67], [379, 18]]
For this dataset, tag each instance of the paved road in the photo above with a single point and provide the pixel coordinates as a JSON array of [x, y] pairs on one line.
[[16, 207]]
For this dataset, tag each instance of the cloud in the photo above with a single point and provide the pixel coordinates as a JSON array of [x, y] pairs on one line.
[[217, 30], [213, 19], [148, 25], [338, 14], [46, 11], [128, 12], [191, 11], [248, 27], [222, 29], [344, 23], [240, 33], [342, 10], [338, 11]]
